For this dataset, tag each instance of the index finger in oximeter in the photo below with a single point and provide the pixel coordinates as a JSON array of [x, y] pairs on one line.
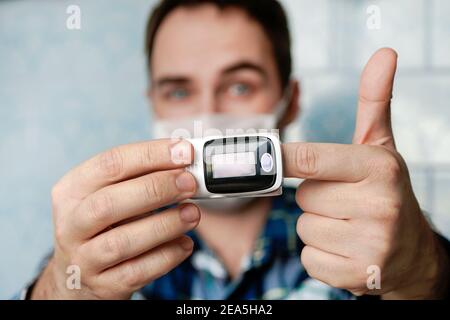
[[237, 166]]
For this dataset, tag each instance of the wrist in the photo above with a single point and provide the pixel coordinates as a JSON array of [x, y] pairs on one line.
[[45, 286]]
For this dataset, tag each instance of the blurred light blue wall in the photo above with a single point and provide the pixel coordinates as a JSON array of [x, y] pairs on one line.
[[66, 95]]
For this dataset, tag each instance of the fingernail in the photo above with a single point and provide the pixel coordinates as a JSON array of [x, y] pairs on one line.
[[189, 213], [187, 244], [185, 182], [181, 152]]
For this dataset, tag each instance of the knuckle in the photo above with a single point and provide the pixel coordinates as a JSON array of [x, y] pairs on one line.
[[380, 248], [389, 166], [358, 292], [387, 209], [161, 228], [300, 224], [392, 168], [305, 258], [110, 163], [165, 260], [60, 234], [132, 276], [57, 196], [56, 192], [306, 160], [384, 250], [382, 245], [117, 245], [165, 257], [313, 270], [149, 155], [379, 242], [101, 207], [153, 190], [80, 255]]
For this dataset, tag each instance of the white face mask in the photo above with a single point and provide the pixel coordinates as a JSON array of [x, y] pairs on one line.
[[217, 124]]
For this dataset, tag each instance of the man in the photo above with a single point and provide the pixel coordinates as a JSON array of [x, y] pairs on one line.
[[116, 215]]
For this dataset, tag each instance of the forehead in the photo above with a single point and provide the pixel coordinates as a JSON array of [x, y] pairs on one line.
[[206, 38]]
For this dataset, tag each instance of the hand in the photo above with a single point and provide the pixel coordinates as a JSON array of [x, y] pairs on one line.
[[104, 225], [359, 206]]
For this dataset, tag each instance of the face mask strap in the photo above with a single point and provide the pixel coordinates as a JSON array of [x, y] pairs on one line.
[[283, 104]]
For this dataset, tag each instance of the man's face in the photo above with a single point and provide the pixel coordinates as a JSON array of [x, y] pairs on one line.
[[207, 60]]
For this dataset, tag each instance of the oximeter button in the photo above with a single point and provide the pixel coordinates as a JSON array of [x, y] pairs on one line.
[[266, 162]]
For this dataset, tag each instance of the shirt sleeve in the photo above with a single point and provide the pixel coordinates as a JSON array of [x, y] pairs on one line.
[[446, 245], [25, 293]]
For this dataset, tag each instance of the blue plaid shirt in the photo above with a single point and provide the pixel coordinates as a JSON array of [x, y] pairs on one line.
[[272, 271]]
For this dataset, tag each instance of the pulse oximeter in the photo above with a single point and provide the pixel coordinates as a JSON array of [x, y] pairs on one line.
[[248, 165]]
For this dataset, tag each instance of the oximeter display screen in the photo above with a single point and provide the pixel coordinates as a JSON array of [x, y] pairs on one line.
[[239, 164]]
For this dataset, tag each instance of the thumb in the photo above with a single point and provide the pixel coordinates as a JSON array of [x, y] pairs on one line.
[[373, 119]]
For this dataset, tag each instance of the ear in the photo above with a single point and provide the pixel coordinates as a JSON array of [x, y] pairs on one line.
[[293, 107], [149, 94]]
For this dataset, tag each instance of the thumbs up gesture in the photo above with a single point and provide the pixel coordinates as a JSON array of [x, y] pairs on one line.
[[361, 219]]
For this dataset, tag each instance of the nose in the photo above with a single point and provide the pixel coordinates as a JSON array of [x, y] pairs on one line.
[[209, 102]]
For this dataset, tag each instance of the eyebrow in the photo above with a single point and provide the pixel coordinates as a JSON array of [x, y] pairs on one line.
[[245, 65], [174, 80], [236, 67]]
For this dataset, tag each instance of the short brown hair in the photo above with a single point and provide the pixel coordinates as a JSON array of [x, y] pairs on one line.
[[268, 13]]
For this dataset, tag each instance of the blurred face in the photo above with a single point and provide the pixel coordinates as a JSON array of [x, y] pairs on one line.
[[207, 60]]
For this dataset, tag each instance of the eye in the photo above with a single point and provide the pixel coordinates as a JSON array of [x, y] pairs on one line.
[[239, 89], [178, 94]]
